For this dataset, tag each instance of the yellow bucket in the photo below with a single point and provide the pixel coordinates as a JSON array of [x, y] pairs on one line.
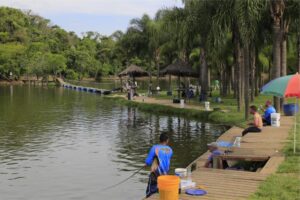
[[168, 187]]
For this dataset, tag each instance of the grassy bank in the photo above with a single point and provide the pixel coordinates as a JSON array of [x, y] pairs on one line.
[[162, 109], [285, 183], [227, 113]]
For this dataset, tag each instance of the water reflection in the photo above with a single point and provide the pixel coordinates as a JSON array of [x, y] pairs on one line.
[[64, 144]]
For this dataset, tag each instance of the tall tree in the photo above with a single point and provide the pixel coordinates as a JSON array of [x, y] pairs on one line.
[[277, 11]]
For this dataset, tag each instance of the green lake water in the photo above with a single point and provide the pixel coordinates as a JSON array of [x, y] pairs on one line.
[[62, 144]]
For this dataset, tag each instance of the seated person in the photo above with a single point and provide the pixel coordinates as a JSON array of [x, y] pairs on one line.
[[267, 115], [257, 122], [213, 148], [191, 93]]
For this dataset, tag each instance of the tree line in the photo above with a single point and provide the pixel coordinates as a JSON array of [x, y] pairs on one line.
[[242, 43]]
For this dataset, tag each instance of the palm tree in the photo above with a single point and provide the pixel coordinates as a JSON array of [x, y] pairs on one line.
[[200, 14], [241, 17], [293, 13], [277, 10]]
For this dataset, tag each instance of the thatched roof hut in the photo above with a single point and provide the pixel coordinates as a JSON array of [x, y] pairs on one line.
[[179, 68], [133, 71]]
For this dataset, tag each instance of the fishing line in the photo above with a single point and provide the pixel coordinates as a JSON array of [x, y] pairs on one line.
[[123, 181]]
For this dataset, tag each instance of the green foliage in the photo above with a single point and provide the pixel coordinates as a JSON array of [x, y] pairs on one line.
[[33, 44], [71, 74]]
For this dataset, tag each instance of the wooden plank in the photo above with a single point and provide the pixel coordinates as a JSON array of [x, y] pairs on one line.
[[272, 165], [245, 157]]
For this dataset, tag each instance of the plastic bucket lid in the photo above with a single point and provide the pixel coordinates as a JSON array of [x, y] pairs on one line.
[[180, 170], [195, 192]]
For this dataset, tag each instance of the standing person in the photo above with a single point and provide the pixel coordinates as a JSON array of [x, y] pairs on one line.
[[216, 85], [159, 159], [128, 88], [150, 89], [131, 90], [257, 124], [268, 111]]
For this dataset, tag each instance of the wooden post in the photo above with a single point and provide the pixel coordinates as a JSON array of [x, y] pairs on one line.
[[170, 83], [179, 86], [121, 82], [217, 162]]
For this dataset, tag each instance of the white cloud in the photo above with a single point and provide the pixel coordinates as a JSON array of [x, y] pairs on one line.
[[99, 7]]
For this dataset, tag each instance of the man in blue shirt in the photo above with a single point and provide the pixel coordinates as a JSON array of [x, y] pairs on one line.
[[159, 159], [213, 148], [267, 115]]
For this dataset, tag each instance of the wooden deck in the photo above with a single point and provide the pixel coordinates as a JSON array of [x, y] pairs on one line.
[[235, 185]]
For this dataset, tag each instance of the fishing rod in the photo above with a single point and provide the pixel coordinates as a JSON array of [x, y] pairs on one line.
[[123, 181]]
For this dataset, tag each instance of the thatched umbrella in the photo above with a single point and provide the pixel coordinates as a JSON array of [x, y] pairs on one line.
[[179, 68], [133, 71]]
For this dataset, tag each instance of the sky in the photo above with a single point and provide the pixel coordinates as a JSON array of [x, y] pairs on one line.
[[103, 16]]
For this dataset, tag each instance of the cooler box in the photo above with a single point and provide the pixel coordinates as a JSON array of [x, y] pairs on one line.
[[290, 109]]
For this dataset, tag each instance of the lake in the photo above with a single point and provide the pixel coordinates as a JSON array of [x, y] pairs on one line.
[[63, 144]]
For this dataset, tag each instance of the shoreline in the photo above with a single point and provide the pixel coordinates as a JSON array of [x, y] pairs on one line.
[[3, 82], [218, 117]]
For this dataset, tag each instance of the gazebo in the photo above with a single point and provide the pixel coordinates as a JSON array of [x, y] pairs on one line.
[[133, 71], [179, 68]]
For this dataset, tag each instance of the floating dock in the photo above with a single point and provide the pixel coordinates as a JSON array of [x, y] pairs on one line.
[[63, 84], [223, 184]]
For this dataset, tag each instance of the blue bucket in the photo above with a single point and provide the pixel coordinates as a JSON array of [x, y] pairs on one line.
[[290, 109]]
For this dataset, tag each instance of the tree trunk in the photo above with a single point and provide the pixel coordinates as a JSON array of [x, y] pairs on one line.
[[242, 78], [277, 10], [227, 79], [258, 75], [199, 77], [276, 60], [283, 62], [253, 69], [270, 71], [238, 66], [157, 58], [298, 52], [170, 83], [208, 78], [222, 79], [229, 70], [157, 76], [246, 79], [232, 80], [283, 58], [204, 70]]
